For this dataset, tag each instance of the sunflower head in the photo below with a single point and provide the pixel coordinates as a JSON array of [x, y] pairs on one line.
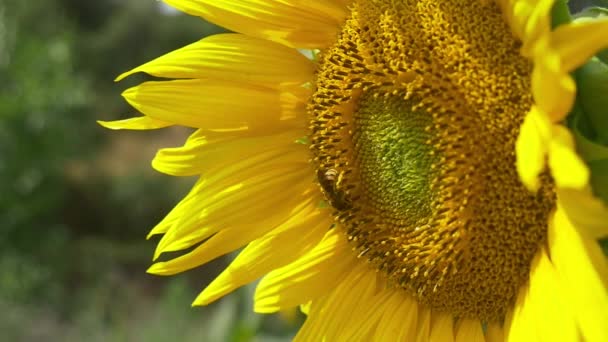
[[425, 150], [433, 129]]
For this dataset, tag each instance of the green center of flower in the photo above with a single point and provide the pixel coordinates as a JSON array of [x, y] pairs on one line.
[[414, 119], [393, 157]]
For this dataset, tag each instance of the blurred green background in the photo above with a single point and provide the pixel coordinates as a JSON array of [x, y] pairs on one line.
[[76, 200]]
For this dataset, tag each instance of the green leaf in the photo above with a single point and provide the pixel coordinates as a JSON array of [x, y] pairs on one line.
[[592, 96], [594, 154], [560, 14]]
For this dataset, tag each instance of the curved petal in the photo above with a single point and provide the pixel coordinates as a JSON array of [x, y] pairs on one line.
[[531, 147], [308, 278], [277, 248], [578, 41], [519, 323], [189, 222], [211, 104], [142, 122], [586, 212], [553, 88], [567, 168], [233, 57], [529, 19], [295, 23], [232, 237], [355, 291], [204, 154], [256, 202], [583, 270], [550, 304]]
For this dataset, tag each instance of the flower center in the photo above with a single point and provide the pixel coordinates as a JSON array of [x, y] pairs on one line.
[[414, 119]]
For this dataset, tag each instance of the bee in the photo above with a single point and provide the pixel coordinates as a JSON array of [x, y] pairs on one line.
[[330, 180]]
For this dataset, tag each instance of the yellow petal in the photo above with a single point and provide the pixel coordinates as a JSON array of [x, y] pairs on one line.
[[567, 168], [352, 293], [309, 332], [537, 24], [495, 333], [549, 304], [228, 239], [308, 278], [365, 322], [233, 57], [399, 320], [519, 324], [516, 14], [424, 324], [277, 248], [205, 154], [469, 330], [211, 104], [587, 213], [442, 328], [143, 122], [302, 24], [529, 20], [305, 308], [169, 221], [583, 271], [579, 41], [553, 88], [248, 191], [225, 204], [531, 148]]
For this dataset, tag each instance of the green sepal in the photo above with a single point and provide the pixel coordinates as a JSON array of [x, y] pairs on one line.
[[599, 178], [594, 154], [592, 97], [560, 14]]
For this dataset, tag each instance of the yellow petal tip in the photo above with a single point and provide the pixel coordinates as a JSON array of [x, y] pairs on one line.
[[158, 269]]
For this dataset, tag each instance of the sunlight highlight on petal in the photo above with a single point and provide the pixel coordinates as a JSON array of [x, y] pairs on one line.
[[567, 168], [531, 148], [143, 123], [583, 271], [579, 41], [277, 248], [308, 278], [181, 102], [302, 24], [232, 57]]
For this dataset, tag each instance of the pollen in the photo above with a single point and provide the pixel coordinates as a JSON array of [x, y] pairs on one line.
[[416, 109]]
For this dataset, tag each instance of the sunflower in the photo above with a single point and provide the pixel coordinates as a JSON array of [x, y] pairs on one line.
[[412, 181]]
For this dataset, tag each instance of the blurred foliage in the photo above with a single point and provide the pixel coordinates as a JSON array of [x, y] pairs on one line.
[[76, 201], [42, 99]]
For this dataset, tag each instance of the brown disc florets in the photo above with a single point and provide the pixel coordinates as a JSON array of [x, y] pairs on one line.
[[414, 118]]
